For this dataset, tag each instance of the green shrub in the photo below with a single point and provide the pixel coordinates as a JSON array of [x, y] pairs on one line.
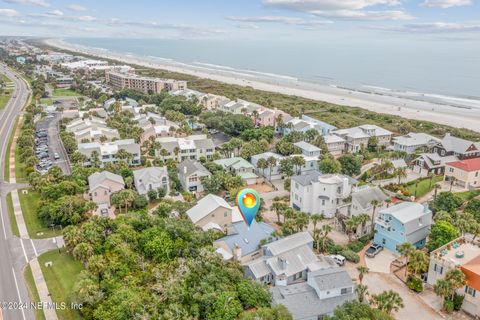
[[356, 246], [365, 239], [414, 284], [448, 305], [458, 301], [350, 255]]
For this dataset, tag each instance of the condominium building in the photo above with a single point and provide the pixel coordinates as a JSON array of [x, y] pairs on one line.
[[107, 152], [192, 147], [91, 130], [123, 80], [317, 193]]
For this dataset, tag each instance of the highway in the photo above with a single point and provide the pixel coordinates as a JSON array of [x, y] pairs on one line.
[[14, 252]]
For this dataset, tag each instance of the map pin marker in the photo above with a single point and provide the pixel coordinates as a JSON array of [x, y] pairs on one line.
[[248, 202]]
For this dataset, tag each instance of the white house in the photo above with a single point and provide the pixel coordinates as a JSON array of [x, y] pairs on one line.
[[107, 152], [150, 178], [411, 142], [190, 173], [192, 147], [316, 193]]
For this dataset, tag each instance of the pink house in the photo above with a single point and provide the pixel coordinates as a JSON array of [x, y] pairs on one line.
[[269, 117], [101, 186]]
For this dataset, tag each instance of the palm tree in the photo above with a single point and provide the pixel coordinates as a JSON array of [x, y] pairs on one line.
[[255, 116], [272, 162], [457, 279], [436, 187], [316, 218], [405, 249], [387, 301], [418, 261], [362, 220], [298, 162], [350, 225], [374, 204], [444, 289], [388, 202], [262, 164], [362, 270], [278, 207], [362, 292], [401, 173]]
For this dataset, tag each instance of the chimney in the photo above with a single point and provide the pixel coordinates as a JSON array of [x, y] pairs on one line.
[[283, 263], [237, 252]]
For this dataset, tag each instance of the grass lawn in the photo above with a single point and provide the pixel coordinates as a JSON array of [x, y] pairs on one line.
[[60, 278], [60, 92], [46, 101], [468, 195], [32, 291], [29, 203], [6, 93], [20, 174], [423, 186], [6, 173], [11, 215]]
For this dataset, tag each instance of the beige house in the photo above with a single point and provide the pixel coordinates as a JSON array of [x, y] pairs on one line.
[[101, 185], [357, 137], [211, 212], [466, 173]]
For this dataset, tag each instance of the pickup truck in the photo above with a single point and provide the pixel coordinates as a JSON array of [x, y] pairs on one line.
[[373, 250]]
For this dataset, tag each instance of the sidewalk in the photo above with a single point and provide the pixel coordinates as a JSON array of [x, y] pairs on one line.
[[39, 280]]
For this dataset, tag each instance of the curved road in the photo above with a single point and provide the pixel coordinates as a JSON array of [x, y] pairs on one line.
[[13, 254]]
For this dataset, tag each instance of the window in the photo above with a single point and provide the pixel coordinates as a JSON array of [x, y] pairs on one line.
[[384, 241], [450, 169], [345, 290], [471, 291], [438, 269], [323, 202], [225, 213], [297, 276]]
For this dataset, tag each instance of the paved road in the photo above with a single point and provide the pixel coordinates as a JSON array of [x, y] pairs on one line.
[[12, 249]]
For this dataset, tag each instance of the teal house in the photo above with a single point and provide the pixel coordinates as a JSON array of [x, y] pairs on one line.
[[405, 222]]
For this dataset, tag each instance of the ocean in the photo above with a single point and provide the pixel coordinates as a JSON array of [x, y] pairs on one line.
[[435, 68]]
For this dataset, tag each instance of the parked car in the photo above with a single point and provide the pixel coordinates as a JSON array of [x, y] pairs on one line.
[[373, 250], [56, 156], [339, 259], [43, 155]]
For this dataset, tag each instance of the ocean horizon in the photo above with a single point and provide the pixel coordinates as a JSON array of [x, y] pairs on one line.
[[436, 69]]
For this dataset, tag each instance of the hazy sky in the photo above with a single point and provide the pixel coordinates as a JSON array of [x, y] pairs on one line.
[[244, 19]]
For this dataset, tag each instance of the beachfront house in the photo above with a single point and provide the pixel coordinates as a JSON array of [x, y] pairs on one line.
[[357, 137], [404, 222], [413, 141], [461, 148], [306, 123]]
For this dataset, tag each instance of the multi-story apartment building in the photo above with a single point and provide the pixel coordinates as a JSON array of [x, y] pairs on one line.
[[192, 147], [317, 193], [130, 80], [460, 253], [107, 152]]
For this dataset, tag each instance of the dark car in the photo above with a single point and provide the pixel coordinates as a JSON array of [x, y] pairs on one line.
[[373, 250]]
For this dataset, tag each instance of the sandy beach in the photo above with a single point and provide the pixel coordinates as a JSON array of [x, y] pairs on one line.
[[444, 110]]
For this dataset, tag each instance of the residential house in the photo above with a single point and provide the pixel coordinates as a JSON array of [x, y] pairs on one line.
[[192, 147], [397, 164], [404, 222], [129, 103], [242, 242], [211, 101], [306, 123], [240, 167], [335, 144], [272, 173], [211, 212], [287, 261], [461, 148], [101, 185], [427, 163], [317, 193], [239, 107], [91, 130], [190, 173], [150, 178], [465, 173], [413, 141], [107, 152], [357, 137], [189, 94], [308, 149], [362, 203], [460, 253], [324, 291]]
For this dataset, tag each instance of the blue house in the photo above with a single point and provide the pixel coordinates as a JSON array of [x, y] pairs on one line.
[[405, 222]]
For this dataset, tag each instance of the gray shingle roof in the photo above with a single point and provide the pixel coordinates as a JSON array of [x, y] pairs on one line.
[[98, 178], [458, 145], [307, 179], [364, 197], [206, 205], [288, 243], [191, 167], [328, 279]]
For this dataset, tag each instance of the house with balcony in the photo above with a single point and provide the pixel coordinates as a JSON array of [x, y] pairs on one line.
[[462, 253], [413, 141], [287, 261], [192, 147], [427, 163], [362, 203], [190, 173], [306, 123], [404, 222], [357, 137], [335, 144], [317, 193], [465, 173], [461, 148], [108, 152], [308, 149]]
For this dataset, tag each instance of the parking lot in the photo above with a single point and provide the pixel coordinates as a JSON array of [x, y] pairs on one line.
[[48, 145]]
